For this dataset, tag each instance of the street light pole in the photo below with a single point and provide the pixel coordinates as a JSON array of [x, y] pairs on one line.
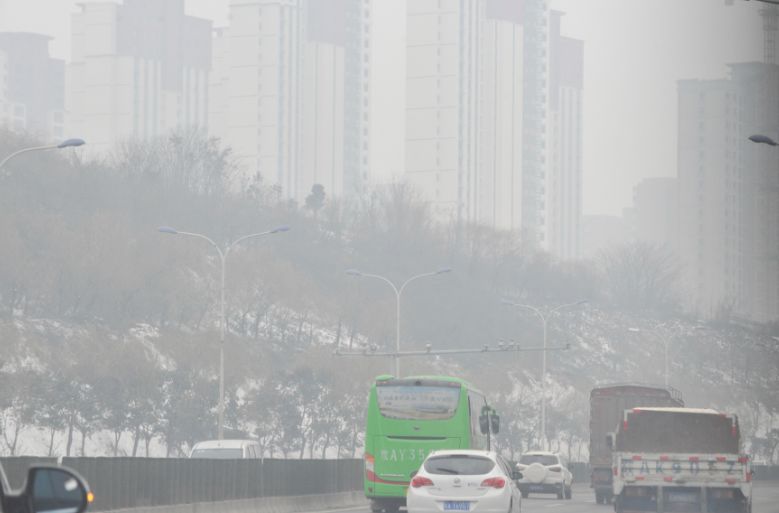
[[398, 293], [544, 322], [68, 143], [223, 311]]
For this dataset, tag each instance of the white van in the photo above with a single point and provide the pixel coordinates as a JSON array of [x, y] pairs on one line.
[[226, 450]]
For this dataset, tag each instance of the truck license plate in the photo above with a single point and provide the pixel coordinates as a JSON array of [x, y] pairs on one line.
[[457, 506], [689, 497]]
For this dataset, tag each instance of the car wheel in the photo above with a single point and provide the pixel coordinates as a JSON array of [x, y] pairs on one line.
[[561, 492], [568, 493], [524, 494]]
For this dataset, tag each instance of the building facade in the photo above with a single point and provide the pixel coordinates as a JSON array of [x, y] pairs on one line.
[[442, 104], [499, 194], [34, 86], [565, 133], [476, 107], [138, 70], [297, 88], [729, 193]]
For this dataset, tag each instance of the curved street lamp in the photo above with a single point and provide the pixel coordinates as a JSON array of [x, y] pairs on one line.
[[223, 316], [68, 143], [544, 316], [398, 293]]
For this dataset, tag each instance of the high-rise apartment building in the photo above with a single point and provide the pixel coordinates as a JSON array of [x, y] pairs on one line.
[[442, 104], [266, 67], [535, 17], [323, 98], [729, 193], [34, 85], [500, 180], [138, 70], [303, 98], [476, 104], [565, 132]]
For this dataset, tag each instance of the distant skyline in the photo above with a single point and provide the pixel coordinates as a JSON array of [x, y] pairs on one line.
[[635, 51]]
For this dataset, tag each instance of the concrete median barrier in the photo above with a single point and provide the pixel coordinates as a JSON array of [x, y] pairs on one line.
[[288, 504]]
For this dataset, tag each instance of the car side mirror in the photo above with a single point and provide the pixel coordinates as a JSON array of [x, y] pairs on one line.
[[516, 475], [55, 489], [484, 424], [495, 423]]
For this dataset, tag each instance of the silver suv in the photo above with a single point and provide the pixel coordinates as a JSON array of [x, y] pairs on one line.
[[544, 472]]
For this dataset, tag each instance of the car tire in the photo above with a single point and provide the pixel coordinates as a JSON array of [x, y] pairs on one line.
[[524, 494], [561, 492], [568, 493]]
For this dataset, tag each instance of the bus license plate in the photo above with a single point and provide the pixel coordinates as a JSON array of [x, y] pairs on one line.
[[457, 506]]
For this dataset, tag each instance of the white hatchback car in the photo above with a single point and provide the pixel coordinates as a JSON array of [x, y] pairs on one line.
[[544, 472], [464, 480]]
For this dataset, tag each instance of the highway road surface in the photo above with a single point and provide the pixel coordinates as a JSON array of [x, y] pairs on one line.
[[765, 500]]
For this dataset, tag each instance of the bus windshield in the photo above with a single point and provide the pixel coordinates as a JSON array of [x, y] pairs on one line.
[[414, 402]]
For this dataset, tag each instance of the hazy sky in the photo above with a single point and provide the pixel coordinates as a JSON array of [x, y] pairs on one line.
[[635, 51]]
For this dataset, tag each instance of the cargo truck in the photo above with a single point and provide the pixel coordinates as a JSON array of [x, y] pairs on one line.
[[607, 406], [679, 459]]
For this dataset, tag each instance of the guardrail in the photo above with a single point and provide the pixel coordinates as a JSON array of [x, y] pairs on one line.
[[121, 483], [125, 483]]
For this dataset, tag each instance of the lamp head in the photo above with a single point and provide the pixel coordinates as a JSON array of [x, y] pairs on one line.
[[71, 143], [167, 229]]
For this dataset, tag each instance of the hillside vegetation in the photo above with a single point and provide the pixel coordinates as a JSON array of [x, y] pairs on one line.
[[109, 329]]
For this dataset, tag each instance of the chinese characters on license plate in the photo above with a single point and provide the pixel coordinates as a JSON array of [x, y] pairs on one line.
[[457, 506]]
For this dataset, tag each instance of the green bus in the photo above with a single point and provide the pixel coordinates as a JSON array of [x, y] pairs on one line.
[[410, 417]]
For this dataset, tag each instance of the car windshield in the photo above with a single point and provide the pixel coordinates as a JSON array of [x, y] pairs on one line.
[[416, 402], [459, 464], [218, 454], [543, 459]]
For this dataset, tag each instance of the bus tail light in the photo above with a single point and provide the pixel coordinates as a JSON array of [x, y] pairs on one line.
[[420, 481], [370, 472], [494, 482]]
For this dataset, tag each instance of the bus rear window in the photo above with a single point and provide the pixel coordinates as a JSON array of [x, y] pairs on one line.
[[417, 402]]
